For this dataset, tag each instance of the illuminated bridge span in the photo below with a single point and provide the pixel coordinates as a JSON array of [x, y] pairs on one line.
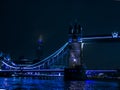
[[88, 72], [69, 55]]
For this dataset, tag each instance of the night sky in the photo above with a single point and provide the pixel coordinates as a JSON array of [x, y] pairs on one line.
[[23, 21]]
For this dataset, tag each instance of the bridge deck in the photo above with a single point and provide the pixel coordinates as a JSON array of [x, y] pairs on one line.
[[54, 70]]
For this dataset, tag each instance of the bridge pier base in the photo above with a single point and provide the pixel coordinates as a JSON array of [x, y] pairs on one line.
[[76, 73]]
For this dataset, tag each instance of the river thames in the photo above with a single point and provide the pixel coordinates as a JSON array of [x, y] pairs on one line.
[[27, 83]]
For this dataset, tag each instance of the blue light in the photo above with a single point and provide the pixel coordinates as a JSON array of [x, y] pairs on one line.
[[9, 65], [93, 38], [115, 34], [79, 39], [40, 40], [70, 40], [8, 57], [59, 74]]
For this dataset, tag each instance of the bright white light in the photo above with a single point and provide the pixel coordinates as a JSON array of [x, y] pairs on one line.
[[74, 60], [82, 45], [59, 74]]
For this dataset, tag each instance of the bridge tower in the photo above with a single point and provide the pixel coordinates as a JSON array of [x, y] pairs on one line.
[[75, 46], [75, 70]]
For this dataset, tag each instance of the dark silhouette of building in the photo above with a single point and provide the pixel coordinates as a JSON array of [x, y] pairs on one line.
[[22, 60], [39, 51]]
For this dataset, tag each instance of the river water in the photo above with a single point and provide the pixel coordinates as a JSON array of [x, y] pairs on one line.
[[22, 83]]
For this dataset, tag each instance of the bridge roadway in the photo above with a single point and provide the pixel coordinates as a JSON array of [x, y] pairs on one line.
[[55, 70]]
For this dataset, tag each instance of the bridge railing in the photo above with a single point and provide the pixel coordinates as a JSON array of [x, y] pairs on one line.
[[49, 60]]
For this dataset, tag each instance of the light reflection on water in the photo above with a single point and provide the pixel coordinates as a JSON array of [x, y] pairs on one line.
[[19, 83]]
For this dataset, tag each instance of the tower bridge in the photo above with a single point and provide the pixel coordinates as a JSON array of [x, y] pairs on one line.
[[67, 59]]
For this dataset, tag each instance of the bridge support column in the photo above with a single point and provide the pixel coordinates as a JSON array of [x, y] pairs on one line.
[[76, 70], [77, 73]]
